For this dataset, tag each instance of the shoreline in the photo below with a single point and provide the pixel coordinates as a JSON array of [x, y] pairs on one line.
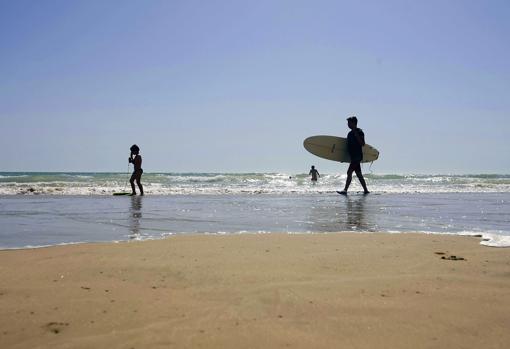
[[485, 239], [262, 291]]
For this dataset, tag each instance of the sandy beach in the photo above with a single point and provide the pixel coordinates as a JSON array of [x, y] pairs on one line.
[[259, 291]]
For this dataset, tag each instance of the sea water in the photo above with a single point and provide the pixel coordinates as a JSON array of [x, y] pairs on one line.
[[241, 183], [42, 209]]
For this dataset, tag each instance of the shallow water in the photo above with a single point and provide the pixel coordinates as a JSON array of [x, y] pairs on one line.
[[40, 220]]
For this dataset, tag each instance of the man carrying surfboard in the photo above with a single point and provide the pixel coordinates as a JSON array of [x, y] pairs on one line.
[[136, 159], [355, 143]]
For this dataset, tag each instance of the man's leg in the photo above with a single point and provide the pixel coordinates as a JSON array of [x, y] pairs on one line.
[[361, 178], [138, 181], [348, 180], [132, 181]]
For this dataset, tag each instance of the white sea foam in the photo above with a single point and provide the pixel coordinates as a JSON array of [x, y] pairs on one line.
[[496, 240], [27, 247], [13, 176], [250, 183], [492, 239]]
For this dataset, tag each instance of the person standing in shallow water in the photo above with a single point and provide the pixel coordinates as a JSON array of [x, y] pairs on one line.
[[136, 159], [314, 173], [355, 143]]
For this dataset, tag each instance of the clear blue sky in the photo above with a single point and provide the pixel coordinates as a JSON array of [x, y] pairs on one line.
[[237, 85]]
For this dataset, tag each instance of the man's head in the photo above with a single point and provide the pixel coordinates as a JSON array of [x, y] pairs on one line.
[[313, 167], [134, 149], [352, 122]]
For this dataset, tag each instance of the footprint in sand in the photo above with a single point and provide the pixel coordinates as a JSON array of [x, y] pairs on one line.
[[56, 327], [450, 257], [453, 258]]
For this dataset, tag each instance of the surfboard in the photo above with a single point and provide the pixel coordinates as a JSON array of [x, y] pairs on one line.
[[335, 148]]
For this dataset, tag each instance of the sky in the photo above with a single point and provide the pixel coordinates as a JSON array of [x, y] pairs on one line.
[[236, 86]]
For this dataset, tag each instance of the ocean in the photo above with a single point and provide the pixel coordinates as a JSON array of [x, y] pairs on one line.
[[44, 209]]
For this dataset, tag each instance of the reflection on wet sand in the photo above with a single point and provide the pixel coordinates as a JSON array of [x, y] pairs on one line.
[[135, 214], [356, 212], [348, 214]]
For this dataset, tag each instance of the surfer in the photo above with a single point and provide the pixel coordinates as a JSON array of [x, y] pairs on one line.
[[355, 143], [314, 173], [136, 159]]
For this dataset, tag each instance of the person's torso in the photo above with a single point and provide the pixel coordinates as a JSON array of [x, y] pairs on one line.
[[353, 146], [137, 162]]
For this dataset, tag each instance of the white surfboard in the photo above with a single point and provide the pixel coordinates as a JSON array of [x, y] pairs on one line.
[[335, 148]]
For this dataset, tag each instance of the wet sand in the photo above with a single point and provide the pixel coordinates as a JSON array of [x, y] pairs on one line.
[[259, 291]]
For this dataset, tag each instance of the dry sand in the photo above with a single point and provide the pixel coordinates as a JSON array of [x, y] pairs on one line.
[[258, 291]]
